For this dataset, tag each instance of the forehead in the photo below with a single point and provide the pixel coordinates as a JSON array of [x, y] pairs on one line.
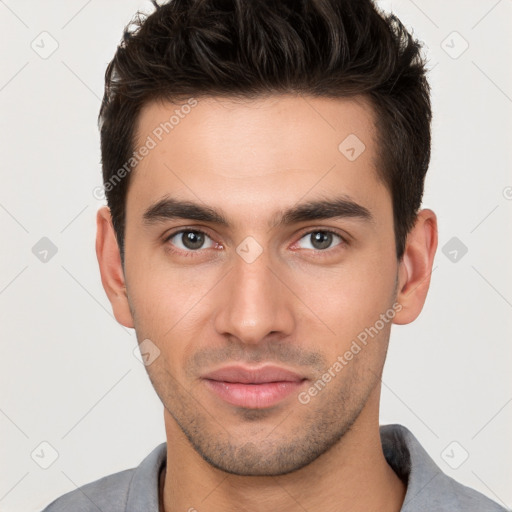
[[269, 150], [276, 123]]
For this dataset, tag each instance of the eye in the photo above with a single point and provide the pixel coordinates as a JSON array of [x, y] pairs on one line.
[[190, 240], [320, 240], [193, 241]]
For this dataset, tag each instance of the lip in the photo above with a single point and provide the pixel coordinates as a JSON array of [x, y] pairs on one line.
[[253, 388], [244, 375]]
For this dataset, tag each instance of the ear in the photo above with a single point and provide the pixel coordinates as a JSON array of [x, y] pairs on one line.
[[415, 267], [111, 269]]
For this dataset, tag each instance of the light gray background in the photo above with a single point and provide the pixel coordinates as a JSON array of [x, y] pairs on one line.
[[68, 373]]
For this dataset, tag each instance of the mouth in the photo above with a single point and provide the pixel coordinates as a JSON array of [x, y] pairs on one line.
[[253, 388]]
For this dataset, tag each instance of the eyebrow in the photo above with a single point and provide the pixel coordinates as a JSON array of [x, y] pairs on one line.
[[340, 207]]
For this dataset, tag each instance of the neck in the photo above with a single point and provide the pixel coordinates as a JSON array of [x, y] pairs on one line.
[[352, 475]]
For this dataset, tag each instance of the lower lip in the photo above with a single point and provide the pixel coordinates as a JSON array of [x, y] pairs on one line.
[[253, 396]]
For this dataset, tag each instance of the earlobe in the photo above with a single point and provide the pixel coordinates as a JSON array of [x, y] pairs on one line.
[[416, 267], [111, 269]]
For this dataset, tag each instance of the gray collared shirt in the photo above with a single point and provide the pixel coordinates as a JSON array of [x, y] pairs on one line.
[[428, 488]]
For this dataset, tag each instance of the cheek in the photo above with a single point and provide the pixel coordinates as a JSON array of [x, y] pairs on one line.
[[169, 312], [352, 297], [165, 298]]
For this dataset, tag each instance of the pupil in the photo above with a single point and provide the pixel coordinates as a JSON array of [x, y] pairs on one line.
[[192, 240], [321, 240]]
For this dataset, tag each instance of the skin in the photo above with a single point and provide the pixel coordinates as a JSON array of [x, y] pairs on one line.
[[296, 305]]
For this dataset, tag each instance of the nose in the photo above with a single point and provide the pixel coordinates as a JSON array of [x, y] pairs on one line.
[[255, 302]]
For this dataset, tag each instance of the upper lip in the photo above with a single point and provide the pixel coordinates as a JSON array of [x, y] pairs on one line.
[[246, 375]]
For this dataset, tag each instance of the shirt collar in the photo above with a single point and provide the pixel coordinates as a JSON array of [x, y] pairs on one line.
[[143, 491], [425, 481], [402, 451]]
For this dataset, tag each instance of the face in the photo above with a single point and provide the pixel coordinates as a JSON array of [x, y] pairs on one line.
[[258, 254]]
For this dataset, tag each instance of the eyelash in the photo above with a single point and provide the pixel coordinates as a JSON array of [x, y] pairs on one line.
[[192, 253]]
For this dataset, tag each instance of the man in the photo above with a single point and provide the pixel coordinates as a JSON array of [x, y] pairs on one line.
[[264, 165]]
